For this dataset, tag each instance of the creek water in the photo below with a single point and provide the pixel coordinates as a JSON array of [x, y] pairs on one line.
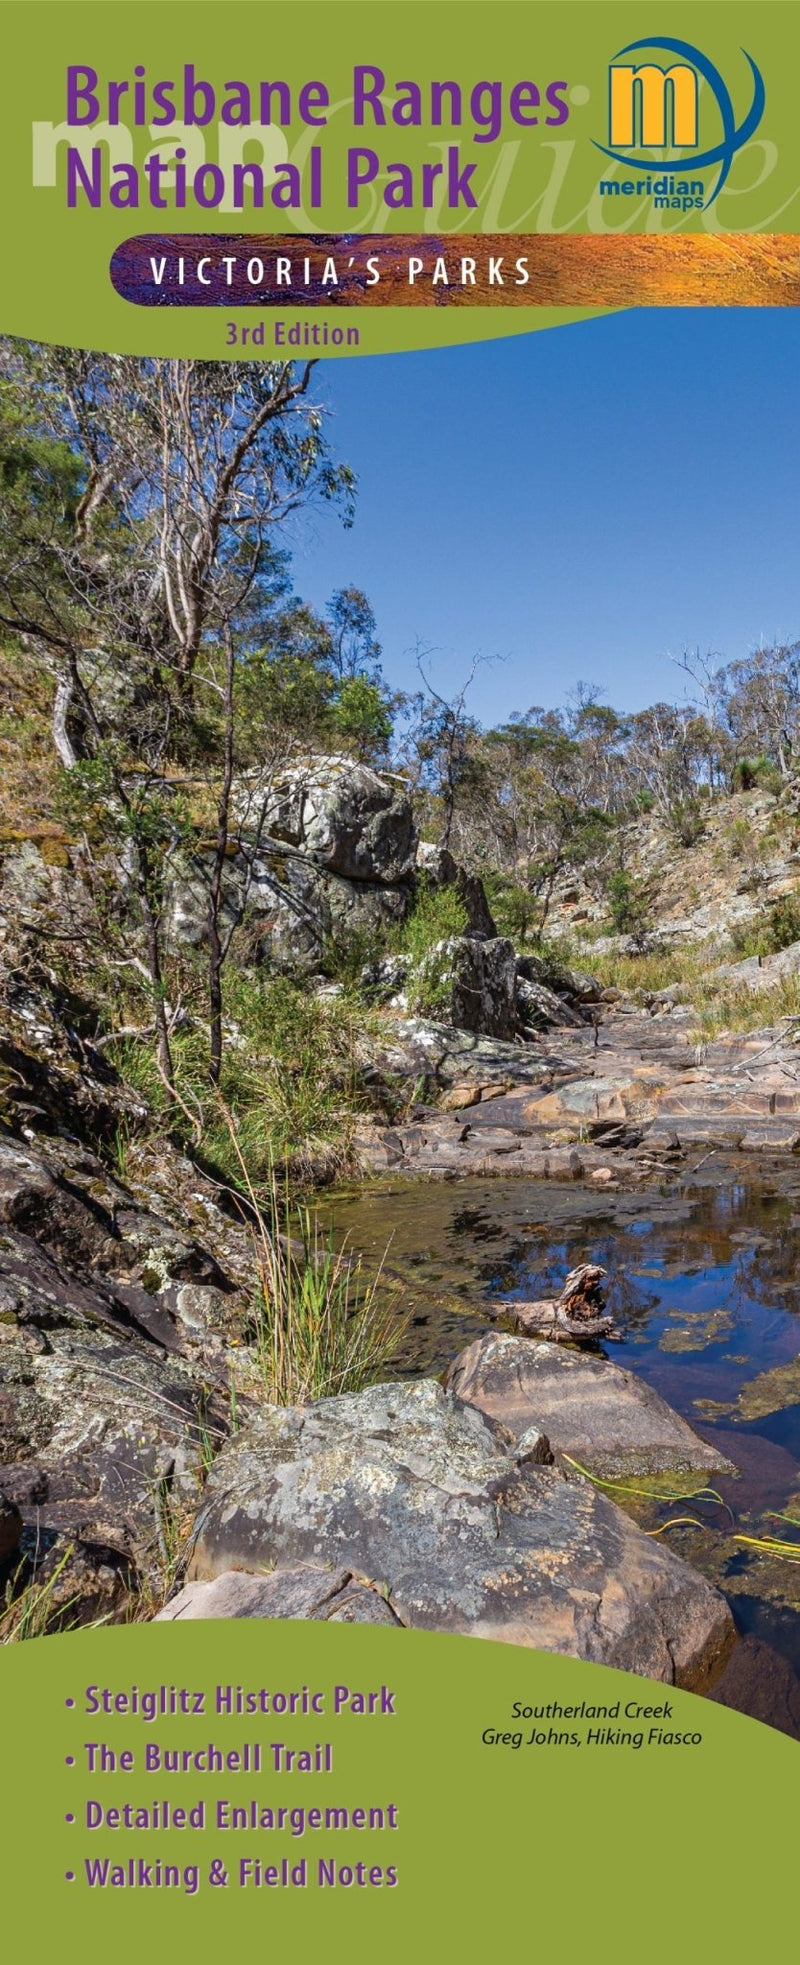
[[704, 1285]]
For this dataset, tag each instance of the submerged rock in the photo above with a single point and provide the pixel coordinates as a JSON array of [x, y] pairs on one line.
[[423, 1497], [603, 1416], [757, 1680]]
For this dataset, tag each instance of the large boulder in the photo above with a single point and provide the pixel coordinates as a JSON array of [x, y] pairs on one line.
[[470, 985], [605, 1418], [430, 1501], [288, 907], [571, 983], [104, 1444], [340, 815]]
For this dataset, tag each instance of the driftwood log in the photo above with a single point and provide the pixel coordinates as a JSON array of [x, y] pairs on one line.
[[571, 1318]]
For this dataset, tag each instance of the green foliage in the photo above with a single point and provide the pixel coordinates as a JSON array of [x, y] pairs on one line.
[[777, 929], [740, 839], [30, 1610], [784, 922], [513, 906], [628, 904], [430, 984], [290, 1080], [438, 916], [756, 774], [287, 693], [360, 717], [351, 950], [146, 816]]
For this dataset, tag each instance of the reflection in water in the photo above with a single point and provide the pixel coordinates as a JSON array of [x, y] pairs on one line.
[[704, 1285]]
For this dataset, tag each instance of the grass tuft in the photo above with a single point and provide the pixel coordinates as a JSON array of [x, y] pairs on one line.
[[321, 1326]]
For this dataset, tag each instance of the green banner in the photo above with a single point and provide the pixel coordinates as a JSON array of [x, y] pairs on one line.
[[183, 127], [435, 1791]]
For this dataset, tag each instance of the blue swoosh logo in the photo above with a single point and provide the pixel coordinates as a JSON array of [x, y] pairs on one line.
[[733, 137]]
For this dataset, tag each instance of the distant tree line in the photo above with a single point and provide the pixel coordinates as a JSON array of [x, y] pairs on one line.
[[145, 567]]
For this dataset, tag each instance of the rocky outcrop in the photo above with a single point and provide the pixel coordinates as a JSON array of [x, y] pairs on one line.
[[743, 861], [612, 1098], [339, 815], [539, 1008], [470, 985], [112, 1397], [324, 852], [605, 1418], [760, 972], [288, 909], [432, 1503], [119, 1301]]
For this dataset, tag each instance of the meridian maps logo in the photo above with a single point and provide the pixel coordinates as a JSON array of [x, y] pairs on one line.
[[683, 108]]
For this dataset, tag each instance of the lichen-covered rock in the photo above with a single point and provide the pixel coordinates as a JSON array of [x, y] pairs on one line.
[[423, 1497], [341, 815], [103, 1443], [60, 1195], [385, 980], [604, 1417], [105, 1422], [539, 1008], [470, 984], [287, 908]]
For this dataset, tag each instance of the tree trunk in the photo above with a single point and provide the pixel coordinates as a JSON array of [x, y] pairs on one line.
[[61, 738], [163, 1050], [216, 953]]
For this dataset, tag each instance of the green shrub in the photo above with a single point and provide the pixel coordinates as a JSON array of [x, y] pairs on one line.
[[756, 774], [289, 1079], [513, 906], [628, 904], [438, 916], [430, 985], [784, 922], [687, 821], [748, 938]]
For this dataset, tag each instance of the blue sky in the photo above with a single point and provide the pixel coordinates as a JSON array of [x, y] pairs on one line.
[[584, 502]]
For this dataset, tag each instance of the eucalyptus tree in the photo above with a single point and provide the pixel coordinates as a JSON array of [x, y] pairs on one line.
[[138, 535]]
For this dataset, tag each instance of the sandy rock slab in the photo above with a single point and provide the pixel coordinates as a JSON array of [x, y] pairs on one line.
[[603, 1416], [321, 1595], [428, 1500]]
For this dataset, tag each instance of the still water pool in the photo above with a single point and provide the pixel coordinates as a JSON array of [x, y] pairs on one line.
[[704, 1286]]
